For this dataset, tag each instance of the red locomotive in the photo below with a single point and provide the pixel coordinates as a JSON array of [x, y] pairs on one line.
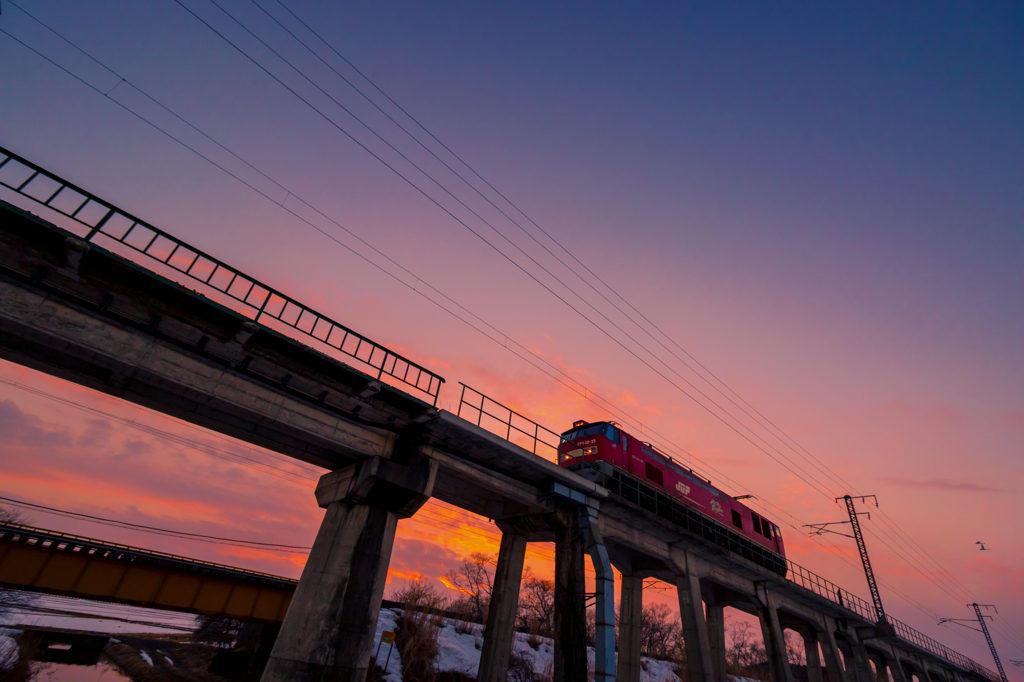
[[636, 471]]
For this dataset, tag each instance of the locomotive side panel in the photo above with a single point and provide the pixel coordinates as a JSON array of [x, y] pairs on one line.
[[602, 441]]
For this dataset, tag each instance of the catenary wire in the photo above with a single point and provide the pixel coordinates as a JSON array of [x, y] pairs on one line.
[[590, 272], [529, 274], [135, 526], [116, 102]]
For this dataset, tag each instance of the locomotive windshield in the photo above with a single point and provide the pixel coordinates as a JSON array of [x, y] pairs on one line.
[[593, 430]]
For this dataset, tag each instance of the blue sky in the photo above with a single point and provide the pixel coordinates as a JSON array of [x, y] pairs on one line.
[[821, 203]]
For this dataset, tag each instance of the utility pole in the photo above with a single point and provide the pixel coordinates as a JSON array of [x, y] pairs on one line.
[[991, 644], [869, 573], [984, 631]]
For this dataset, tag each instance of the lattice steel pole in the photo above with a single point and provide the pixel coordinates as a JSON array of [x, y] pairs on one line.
[[991, 644], [862, 548]]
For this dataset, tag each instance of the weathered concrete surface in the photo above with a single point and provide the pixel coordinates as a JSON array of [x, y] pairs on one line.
[[774, 639], [699, 662], [501, 614], [328, 633], [715, 616], [630, 615], [570, 636]]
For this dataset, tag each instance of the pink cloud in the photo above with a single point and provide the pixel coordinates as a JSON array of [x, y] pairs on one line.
[[940, 484]]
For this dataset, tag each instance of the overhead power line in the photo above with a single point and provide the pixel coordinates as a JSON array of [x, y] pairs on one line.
[[585, 391], [200, 537]]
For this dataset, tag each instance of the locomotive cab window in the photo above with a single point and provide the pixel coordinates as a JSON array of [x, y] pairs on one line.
[[766, 529], [737, 520], [757, 522], [653, 474]]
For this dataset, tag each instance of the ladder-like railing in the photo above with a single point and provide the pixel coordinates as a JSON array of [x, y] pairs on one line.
[[105, 224], [506, 423]]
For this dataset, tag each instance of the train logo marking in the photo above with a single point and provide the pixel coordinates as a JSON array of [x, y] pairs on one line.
[[716, 506], [683, 488]]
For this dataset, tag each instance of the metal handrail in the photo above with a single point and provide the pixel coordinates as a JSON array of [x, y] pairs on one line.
[[539, 436], [829, 590], [256, 298], [33, 536], [485, 406], [928, 644]]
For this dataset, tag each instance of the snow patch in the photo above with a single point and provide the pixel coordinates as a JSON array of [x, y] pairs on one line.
[[146, 658], [8, 649]]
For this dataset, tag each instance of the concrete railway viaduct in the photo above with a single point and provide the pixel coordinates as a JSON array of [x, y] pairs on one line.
[[96, 296]]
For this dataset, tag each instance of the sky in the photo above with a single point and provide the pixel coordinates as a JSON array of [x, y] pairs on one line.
[[818, 207]]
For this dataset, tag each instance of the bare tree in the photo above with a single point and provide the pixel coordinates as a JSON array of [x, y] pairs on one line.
[[537, 605], [474, 580], [795, 653], [657, 632], [745, 656]]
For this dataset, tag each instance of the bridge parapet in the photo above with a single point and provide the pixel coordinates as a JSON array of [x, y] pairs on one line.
[[98, 221]]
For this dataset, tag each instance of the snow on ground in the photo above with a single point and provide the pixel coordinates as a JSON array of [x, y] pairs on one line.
[[8, 648], [460, 652], [386, 621]]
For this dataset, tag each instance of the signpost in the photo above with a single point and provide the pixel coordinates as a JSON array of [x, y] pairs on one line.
[[386, 637]]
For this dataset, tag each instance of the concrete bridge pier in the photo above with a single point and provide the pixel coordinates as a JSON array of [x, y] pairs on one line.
[[699, 661], [811, 655], [328, 632], [834, 668], [631, 605], [881, 665], [774, 637], [861, 664], [604, 585], [570, 635], [715, 616], [501, 615], [896, 667]]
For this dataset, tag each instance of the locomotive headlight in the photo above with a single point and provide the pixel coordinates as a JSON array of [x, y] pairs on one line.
[[592, 450]]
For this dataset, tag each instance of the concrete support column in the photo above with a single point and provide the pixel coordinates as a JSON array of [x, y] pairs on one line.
[[604, 607], [834, 668], [774, 641], [861, 664], [699, 662], [896, 667], [501, 614], [570, 646], [329, 629], [881, 669], [716, 640], [631, 605], [812, 655]]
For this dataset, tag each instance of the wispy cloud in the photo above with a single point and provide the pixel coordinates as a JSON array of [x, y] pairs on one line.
[[940, 484]]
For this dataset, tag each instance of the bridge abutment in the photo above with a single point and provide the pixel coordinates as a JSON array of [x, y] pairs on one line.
[[328, 632]]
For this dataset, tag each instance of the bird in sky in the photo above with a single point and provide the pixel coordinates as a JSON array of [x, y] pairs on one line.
[[983, 547]]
